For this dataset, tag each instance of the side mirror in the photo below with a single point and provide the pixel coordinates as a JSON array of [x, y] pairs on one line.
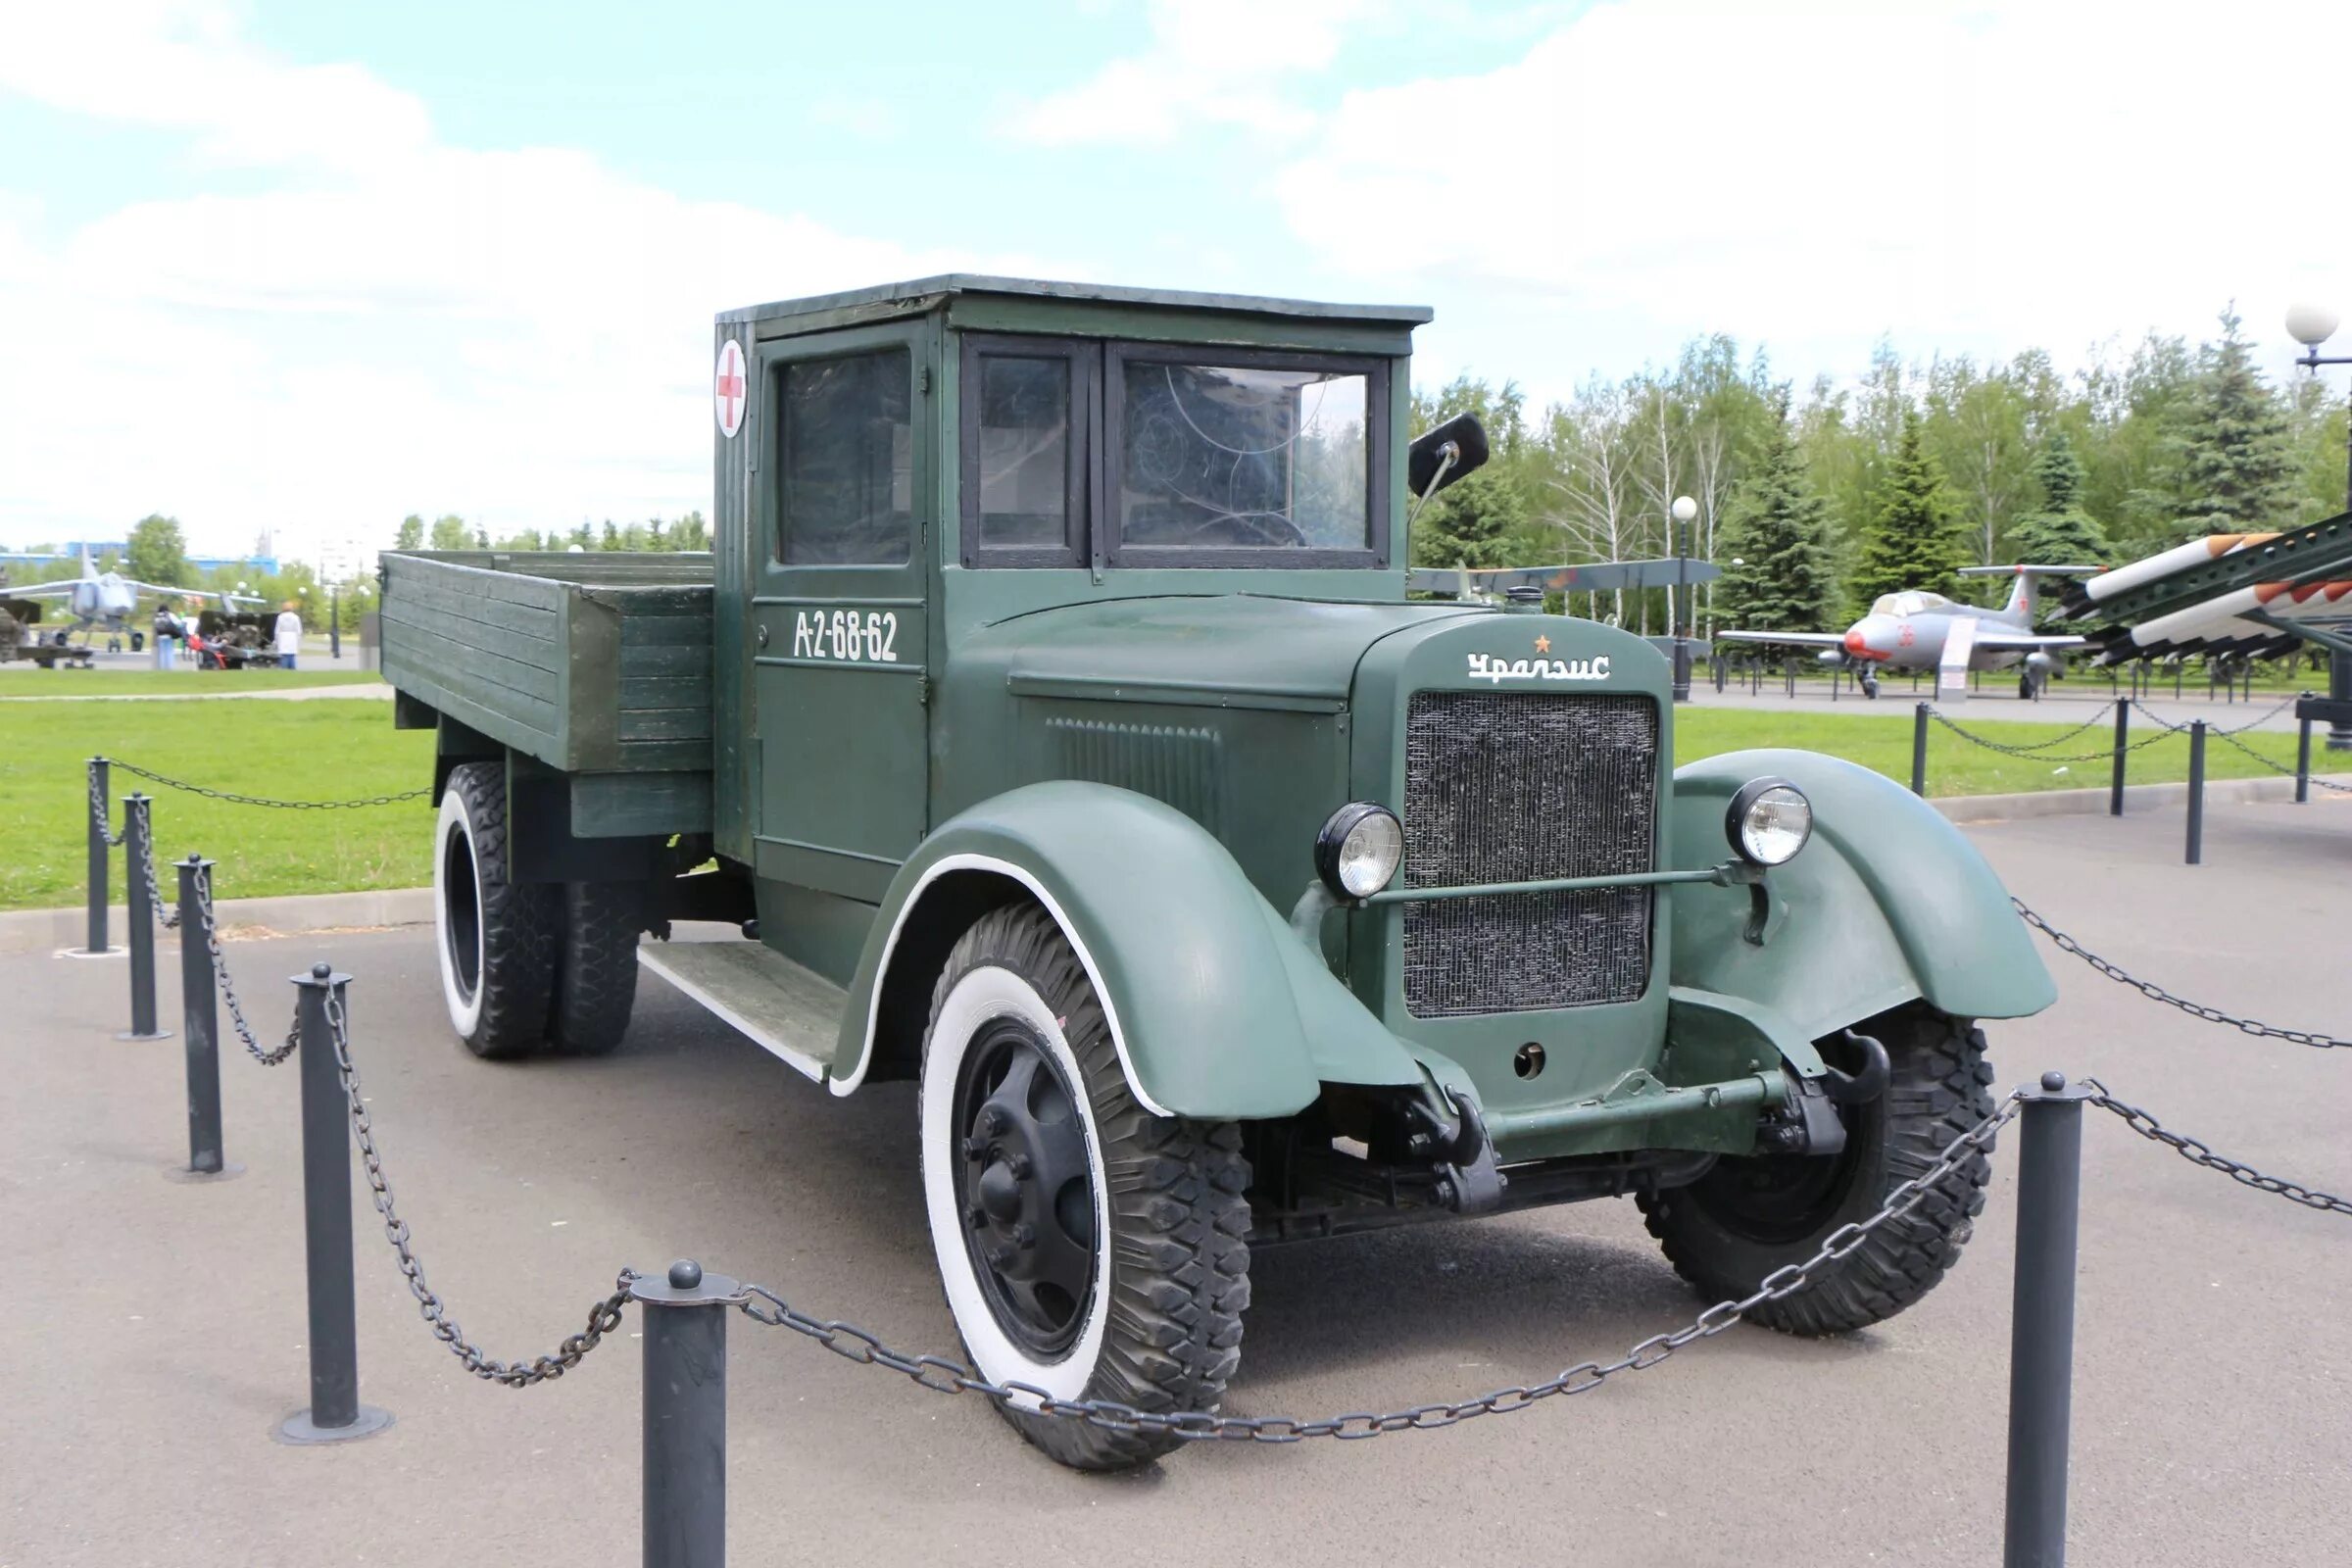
[[1443, 454]]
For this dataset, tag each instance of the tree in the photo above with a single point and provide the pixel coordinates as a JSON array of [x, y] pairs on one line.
[[412, 533], [158, 551], [2060, 533], [1779, 573], [691, 533], [451, 533], [1910, 542], [2237, 474]]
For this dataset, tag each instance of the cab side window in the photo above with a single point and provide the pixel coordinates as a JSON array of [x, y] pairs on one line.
[[845, 459]]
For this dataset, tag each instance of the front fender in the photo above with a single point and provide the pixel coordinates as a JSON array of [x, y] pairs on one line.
[[1216, 1010], [1887, 904]]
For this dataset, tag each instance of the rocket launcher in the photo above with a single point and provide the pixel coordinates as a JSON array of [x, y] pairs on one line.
[[2217, 576]]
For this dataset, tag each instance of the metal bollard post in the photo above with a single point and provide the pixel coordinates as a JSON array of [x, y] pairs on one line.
[[2303, 762], [200, 1028], [1717, 669], [686, 1415], [138, 849], [2041, 1323], [99, 787], [2123, 740], [2196, 792], [1919, 751], [335, 1413], [1792, 673]]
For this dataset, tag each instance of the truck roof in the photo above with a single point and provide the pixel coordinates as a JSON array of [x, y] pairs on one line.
[[921, 294]]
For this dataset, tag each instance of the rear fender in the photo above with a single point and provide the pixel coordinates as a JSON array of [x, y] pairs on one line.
[[1216, 1010], [1887, 904]]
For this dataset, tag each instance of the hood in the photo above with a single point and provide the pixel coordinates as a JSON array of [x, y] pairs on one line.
[[1214, 642]]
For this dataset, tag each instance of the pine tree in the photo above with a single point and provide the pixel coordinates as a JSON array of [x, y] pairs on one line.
[[2060, 533], [1910, 542], [2237, 474], [1775, 541]]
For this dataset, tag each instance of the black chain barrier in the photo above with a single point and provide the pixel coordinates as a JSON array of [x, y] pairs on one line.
[[235, 798], [2199, 1154], [2230, 739], [603, 1318], [2156, 993], [2210, 728], [268, 1056], [2039, 750], [101, 814], [942, 1375]]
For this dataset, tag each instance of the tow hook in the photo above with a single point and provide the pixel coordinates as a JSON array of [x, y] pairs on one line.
[[1468, 1182], [1859, 1088]]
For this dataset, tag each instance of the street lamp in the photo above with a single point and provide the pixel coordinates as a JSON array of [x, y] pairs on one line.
[[2311, 326], [1685, 510]]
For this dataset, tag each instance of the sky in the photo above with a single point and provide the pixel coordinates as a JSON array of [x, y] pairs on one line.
[[309, 267]]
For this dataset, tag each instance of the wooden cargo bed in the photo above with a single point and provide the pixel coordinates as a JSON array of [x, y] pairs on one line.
[[594, 664]]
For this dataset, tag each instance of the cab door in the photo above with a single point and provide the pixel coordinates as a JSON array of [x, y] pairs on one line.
[[845, 513]]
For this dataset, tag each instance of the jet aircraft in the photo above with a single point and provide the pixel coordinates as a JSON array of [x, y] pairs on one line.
[[107, 600], [1911, 630]]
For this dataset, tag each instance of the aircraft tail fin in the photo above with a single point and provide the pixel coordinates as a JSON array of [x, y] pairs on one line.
[[2021, 605]]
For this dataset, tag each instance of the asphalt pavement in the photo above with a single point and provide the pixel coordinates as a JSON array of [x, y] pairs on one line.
[[155, 1331]]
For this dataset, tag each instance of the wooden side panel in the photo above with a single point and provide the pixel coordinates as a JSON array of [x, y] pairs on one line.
[[587, 669], [491, 660]]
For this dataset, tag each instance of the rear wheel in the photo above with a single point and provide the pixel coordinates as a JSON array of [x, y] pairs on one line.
[[496, 937], [1088, 1247], [1751, 1215], [596, 966]]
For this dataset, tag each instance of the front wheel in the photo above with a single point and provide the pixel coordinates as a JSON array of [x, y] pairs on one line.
[[1088, 1247], [1751, 1215]]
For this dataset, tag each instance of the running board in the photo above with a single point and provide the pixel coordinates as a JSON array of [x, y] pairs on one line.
[[784, 1008]]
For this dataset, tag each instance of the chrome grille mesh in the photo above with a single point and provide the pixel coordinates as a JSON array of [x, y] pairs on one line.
[[1516, 787]]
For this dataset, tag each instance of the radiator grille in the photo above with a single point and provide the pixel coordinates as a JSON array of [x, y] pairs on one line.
[[1514, 786]]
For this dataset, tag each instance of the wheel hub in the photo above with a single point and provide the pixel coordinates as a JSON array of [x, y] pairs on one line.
[[1027, 1187]]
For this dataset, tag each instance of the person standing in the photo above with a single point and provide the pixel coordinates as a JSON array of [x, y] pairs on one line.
[[165, 630], [289, 636]]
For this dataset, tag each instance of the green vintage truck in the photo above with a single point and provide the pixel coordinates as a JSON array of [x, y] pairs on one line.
[[1051, 728]]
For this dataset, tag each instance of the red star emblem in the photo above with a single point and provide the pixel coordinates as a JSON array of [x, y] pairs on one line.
[[1543, 644]]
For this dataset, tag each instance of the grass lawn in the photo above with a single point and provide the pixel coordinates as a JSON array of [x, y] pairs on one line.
[[322, 749], [30, 680], [334, 749]]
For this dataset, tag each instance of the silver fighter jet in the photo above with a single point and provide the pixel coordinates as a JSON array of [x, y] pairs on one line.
[[1911, 630]]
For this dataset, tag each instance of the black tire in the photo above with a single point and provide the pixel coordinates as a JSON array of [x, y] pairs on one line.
[[596, 967], [1159, 1326], [1751, 1215], [497, 937]]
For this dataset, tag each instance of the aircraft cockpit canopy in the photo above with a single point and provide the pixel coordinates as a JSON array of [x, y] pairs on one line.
[[1908, 604]]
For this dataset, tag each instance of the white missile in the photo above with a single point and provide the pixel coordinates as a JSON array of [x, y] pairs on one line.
[[2197, 552]]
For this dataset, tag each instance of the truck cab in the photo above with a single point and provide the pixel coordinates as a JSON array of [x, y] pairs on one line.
[[1055, 729]]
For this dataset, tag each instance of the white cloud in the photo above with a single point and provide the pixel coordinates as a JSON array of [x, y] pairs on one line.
[[391, 324], [1990, 171], [1218, 62]]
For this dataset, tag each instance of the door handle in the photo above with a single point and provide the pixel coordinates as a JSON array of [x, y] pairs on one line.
[[761, 635]]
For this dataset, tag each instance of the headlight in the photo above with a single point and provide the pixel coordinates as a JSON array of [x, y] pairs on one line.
[[1360, 849], [1769, 821]]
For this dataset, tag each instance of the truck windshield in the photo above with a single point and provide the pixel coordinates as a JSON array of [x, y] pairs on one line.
[[1257, 455]]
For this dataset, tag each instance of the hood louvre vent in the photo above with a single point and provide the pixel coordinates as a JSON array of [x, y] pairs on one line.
[[1180, 764]]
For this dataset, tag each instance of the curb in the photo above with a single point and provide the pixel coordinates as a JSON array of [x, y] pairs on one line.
[[46, 930], [1980, 809]]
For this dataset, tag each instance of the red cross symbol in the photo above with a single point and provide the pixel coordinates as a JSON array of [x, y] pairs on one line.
[[730, 388]]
